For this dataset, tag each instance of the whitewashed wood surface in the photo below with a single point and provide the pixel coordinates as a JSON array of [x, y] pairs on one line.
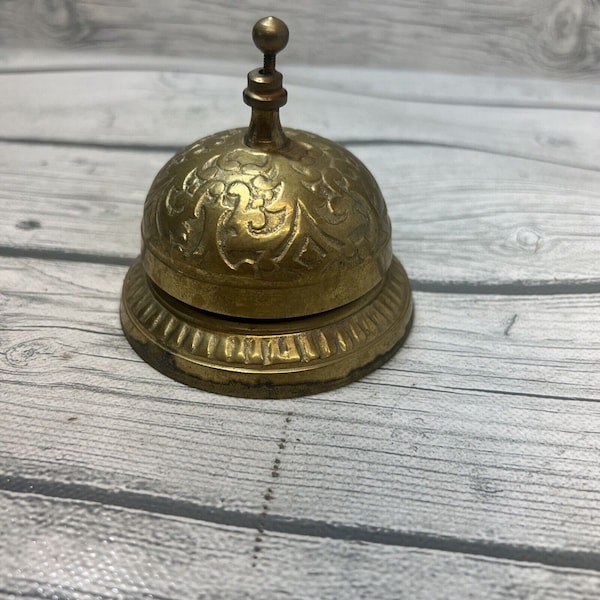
[[557, 38], [467, 467]]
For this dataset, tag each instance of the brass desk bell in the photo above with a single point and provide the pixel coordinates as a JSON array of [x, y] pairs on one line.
[[266, 268]]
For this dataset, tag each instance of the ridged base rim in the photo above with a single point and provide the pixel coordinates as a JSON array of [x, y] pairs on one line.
[[266, 359]]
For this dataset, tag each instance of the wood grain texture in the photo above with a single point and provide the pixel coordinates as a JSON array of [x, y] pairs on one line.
[[171, 109], [68, 549], [418, 86], [483, 432], [524, 37], [459, 217]]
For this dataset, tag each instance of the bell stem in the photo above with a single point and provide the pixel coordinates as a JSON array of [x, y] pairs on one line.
[[265, 131], [265, 92]]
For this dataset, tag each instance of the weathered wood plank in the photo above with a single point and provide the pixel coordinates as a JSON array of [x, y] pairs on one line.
[[457, 215], [158, 109], [484, 427], [523, 37], [84, 550], [416, 86]]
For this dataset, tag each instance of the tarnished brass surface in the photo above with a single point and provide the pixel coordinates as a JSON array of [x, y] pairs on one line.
[[266, 266], [248, 233], [266, 359]]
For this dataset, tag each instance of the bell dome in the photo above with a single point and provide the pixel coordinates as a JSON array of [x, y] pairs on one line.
[[250, 233], [266, 267]]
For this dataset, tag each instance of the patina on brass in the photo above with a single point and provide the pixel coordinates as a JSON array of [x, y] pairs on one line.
[[266, 268]]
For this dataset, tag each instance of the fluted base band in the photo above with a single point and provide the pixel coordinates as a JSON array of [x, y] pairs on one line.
[[262, 358]]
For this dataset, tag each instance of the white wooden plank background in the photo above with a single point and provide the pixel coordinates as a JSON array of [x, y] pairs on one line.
[[467, 467], [440, 422], [524, 37], [140, 554], [165, 108], [512, 466], [507, 196]]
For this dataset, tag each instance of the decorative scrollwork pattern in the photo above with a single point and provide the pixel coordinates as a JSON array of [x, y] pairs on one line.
[[225, 207]]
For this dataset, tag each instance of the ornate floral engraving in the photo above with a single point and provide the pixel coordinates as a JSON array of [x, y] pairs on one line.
[[311, 208]]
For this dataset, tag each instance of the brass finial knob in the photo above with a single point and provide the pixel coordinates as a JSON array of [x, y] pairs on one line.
[[270, 35], [265, 92]]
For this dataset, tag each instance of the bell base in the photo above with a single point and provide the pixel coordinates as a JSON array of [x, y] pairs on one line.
[[261, 358]]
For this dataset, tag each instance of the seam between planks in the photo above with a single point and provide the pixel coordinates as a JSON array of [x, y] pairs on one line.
[[540, 104], [462, 390], [18, 592], [517, 288], [571, 559], [172, 148]]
